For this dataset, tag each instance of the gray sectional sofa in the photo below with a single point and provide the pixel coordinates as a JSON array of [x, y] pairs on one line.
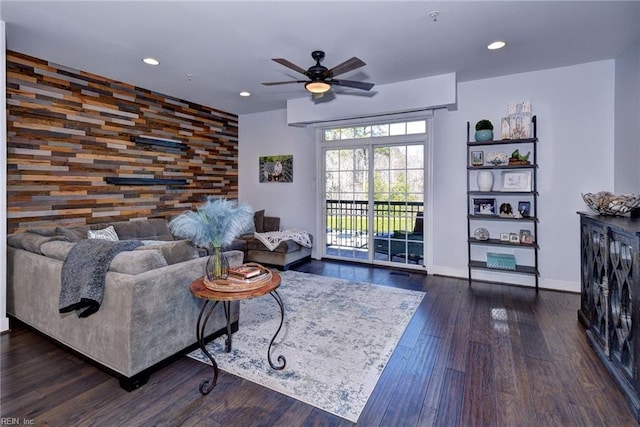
[[283, 256], [148, 315]]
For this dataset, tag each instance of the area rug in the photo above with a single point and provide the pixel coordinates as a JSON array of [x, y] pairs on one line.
[[337, 338]]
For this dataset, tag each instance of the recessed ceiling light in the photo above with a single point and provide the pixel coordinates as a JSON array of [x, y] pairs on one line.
[[151, 61], [496, 45], [244, 93]]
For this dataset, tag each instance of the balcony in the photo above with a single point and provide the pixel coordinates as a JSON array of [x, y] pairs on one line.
[[397, 230]]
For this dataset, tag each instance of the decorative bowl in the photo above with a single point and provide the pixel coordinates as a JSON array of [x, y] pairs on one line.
[[497, 159], [606, 203]]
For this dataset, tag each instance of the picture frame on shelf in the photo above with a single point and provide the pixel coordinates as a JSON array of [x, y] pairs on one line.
[[514, 238], [516, 181], [504, 237], [524, 208], [477, 158], [484, 206], [525, 236]]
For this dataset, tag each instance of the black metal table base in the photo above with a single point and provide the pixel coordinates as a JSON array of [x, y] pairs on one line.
[[208, 384]]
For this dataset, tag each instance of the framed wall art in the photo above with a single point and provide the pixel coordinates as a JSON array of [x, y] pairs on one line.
[[516, 181], [275, 168], [477, 158], [484, 206]]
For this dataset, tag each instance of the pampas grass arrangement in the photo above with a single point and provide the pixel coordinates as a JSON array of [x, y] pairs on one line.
[[214, 224]]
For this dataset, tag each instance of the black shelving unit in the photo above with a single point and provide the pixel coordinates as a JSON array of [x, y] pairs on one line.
[[475, 220]]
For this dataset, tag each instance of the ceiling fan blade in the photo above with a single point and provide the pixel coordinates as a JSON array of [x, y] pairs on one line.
[[284, 83], [351, 83], [348, 65], [291, 65]]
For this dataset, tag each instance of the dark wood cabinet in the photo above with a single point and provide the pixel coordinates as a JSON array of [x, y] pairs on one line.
[[610, 297]]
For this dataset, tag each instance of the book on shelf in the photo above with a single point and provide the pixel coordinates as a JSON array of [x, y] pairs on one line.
[[246, 271]]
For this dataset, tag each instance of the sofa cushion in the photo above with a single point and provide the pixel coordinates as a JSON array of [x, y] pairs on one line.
[[254, 244], [174, 251], [136, 262], [258, 221], [31, 242], [56, 249], [271, 223], [75, 234], [149, 229], [108, 233]]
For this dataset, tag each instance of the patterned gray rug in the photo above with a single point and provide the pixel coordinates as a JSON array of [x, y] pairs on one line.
[[337, 338]]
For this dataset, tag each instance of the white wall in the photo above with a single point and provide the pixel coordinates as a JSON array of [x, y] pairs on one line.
[[627, 121], [4, 322], [574, 157], [265, 134]]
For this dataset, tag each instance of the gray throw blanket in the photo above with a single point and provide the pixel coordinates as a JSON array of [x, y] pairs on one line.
[[84, 273]]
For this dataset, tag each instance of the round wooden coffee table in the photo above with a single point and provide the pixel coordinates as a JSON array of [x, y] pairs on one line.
[[212, 298]]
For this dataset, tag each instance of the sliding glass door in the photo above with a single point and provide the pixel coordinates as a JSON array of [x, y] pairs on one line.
[[374, 195]]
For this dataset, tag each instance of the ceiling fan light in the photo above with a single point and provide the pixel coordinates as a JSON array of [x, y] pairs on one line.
[[317, 87]]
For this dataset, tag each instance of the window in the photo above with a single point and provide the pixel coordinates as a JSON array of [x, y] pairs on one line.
[[377, 130]]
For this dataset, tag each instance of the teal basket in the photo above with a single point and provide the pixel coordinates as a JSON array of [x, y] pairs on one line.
[[501, 261]]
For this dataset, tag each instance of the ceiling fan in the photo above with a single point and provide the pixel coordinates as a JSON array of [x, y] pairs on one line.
[[320, 77]]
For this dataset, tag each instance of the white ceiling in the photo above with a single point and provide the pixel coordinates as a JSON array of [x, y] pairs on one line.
[[226, 46]]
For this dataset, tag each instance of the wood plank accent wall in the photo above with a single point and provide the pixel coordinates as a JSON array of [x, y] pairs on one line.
[[68, 130]]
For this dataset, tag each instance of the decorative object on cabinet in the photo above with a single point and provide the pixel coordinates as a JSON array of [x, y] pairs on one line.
[[525, 209], [484, 206], [516, 181], [606, 203], [506, 210], [485, 180], [609, 303], [481, 233], [484, 131], [520, 190], [477, 158]]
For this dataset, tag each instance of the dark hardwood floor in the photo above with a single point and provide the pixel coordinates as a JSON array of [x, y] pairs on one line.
[[485, 355]]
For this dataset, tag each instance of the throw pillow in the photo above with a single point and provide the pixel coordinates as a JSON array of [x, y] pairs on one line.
[[108, 233], [173, 252], [73, 234], [258, 221]]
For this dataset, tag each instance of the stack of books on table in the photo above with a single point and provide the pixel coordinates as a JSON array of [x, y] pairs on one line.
[[247, 272]]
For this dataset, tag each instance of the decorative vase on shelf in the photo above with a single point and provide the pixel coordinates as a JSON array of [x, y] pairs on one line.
[[485, 180], [484, 135], [217, 265], [484, 131]]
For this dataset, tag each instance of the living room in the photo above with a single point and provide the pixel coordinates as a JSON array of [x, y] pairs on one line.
[[575, 156]]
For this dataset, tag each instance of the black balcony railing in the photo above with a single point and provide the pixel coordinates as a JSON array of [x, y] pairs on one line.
[[388, 216], [397, 227]]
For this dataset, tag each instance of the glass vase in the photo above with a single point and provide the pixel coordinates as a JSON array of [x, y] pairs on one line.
[[217, 265]]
